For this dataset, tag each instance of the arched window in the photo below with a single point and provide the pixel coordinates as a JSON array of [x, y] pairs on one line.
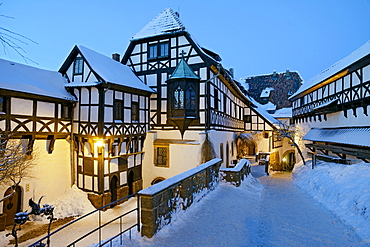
[[190, 98], [178, 98]]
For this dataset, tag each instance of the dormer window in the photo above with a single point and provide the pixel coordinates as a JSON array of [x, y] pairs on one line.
[[159, 50], [78, 66]]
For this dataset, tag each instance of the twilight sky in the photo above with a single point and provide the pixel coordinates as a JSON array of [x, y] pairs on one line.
[[252, 36]]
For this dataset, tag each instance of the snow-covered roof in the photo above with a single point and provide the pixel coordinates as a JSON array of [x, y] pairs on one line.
[[24, 78], [166, 22], [283, 113], [111, 70], [361, 52], [353, 136], [261, 110]]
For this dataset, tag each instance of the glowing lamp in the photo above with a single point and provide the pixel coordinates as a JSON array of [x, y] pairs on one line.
[[99, 143]]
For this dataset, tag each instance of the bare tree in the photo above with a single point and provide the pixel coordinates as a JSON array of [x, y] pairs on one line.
[[15, 162], [207, 150], [287, 130], [14, 41]]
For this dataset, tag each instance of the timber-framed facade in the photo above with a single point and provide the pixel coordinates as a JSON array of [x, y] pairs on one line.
[[335, 105]]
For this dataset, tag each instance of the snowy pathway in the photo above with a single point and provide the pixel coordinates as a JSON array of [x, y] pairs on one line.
[[280, 214]]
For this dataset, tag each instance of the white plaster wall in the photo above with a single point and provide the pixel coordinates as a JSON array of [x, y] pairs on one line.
[[51, 175], [337, 119]]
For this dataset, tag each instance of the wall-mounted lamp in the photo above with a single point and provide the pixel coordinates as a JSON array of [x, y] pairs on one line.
[[99, 143]]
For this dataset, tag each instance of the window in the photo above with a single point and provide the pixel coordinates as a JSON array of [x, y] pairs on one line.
[[215, 95], [2, 104], [247, 119], [118, 110], [65, 111], [135, 111], [78, 66], [163, 50], [161, 156], [178, 98], [190, 99], [159, 50]]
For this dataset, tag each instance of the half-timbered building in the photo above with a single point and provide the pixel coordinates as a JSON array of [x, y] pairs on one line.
[[334, 107], [110, 122], [36, 109], [194, 94]]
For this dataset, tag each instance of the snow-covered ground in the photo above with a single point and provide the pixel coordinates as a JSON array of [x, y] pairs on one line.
[[264, 211], [268, 211], [343, 189]]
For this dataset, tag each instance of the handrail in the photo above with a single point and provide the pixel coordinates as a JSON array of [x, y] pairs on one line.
[[88, 214]]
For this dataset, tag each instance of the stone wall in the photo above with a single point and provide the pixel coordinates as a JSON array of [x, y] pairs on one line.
[[236, 174], [160, 201]]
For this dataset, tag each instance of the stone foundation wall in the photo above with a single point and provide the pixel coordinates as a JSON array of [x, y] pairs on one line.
[[237, 174], [161, 200]]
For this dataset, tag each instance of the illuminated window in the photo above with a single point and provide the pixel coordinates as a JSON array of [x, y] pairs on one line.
[[178, 98]]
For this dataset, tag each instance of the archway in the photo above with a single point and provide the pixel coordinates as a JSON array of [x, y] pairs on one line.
[[113, 185], [288, 160], [130, 182], [12, 204], [246, 146], [157, 180]]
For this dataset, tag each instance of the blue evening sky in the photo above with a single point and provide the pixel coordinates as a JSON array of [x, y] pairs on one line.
[[254, 37]]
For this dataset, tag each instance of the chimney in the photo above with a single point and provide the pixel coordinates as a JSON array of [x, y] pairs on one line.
[[231, 70], [116, 56]]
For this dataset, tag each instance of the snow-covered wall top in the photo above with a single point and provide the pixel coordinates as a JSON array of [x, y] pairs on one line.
[[166, 22], [28, 79], [111, 70], [361, 52], [156, 188]]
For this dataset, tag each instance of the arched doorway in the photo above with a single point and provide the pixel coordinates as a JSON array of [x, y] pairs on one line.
[[288, 160], [130, 182], [157, 180], [113, 185], [246, 146], [12, 204]]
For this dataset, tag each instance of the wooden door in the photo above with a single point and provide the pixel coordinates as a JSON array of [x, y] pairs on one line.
[[12, 204]]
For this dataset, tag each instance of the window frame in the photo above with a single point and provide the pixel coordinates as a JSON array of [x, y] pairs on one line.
[[2, 104], [78, 70], [135, 112], [116, 111], [158, 51], [65, 111], [167, 158]]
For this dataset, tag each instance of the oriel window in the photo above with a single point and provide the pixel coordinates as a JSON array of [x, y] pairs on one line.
[[78, 66], [178, 98]]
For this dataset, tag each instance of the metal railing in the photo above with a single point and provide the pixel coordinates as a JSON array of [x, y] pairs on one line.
[[99, 228]]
